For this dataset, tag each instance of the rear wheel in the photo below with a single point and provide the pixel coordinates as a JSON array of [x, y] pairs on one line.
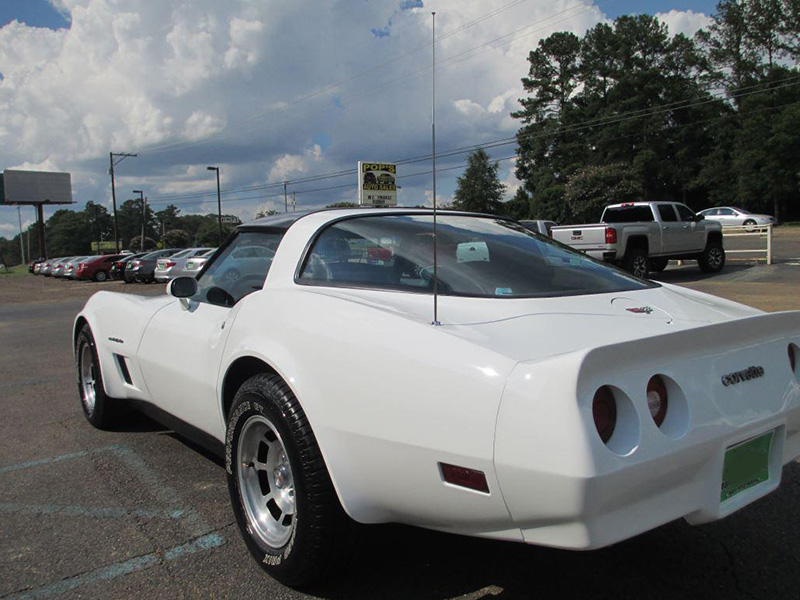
[[97, 406], [100, 276], [635, 263], [282, 496], [712, 260]]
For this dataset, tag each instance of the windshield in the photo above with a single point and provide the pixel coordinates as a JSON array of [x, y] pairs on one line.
[[477, 256]]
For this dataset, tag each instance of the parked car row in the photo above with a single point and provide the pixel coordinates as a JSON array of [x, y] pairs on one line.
[[144, 267]]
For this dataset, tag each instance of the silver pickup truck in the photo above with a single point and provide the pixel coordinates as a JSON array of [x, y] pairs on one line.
[[643, 236]]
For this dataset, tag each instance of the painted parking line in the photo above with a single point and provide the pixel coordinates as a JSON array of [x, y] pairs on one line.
[[140, 563], [170, 506], [87, 511], [56, 459]]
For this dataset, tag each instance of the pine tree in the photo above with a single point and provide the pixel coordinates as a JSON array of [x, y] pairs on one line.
[[479, 188]]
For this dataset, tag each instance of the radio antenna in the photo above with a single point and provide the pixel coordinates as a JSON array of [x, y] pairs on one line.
[[435, 322]]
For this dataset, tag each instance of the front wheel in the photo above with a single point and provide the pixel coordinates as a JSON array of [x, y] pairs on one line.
[[712, 259], [281, 494], [97, 406], [635, 263], [750, 224]]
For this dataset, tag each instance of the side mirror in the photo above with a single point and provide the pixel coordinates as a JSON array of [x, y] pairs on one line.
[[182, 287]]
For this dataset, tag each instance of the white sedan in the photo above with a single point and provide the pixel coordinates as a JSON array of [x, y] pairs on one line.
[[736, 217], [548, 398]]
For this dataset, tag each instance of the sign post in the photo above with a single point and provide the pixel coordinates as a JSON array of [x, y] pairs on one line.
[[377, 185]]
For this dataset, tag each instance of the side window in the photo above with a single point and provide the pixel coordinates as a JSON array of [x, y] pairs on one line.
[[240, 269], [685, 213], [725, 211], [666, 212]]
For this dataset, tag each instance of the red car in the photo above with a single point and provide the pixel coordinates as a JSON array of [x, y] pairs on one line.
[[96, 267]]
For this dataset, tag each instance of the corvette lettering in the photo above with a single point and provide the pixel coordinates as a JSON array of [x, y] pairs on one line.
[[740, 376], [640, 310]]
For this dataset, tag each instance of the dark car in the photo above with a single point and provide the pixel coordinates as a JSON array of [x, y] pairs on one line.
[[142, 269], [32, 264], [117, 270], [96, 267]]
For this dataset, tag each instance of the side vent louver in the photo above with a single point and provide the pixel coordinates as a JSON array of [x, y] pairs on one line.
[[123, 367]]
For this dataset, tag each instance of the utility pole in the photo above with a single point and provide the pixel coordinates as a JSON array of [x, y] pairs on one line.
[[97, 227], [144, 215], [219, 203], [21, 244], [122, 156], [28, 237], [294, 201], [285, 198]]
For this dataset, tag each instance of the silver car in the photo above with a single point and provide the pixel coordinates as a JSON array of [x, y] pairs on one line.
[[171, 267], [195, 264], [539, 226], [71, 267], [57, 268], [736, 217]]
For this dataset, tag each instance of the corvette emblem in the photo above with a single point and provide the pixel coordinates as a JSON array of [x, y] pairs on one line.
[[640, 310], [744, 375]]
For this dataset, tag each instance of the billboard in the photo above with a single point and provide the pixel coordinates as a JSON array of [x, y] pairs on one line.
[[377, 185], [35, 187]]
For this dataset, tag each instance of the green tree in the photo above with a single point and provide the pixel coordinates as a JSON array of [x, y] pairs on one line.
[[136, 243], [175, 238], [67, 233], [168, 218], [479, 189], [594, 187], [519, 207], [208, 232]]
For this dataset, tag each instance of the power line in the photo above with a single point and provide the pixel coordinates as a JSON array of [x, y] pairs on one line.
[[599, 121]]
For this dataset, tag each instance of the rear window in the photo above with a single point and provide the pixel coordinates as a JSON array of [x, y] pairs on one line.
[[627, 214], [477, 256]]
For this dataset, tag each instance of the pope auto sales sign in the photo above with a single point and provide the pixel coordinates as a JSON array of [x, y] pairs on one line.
[[376, 184]]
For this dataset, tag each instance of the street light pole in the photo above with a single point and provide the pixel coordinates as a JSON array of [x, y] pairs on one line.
[[285, 199], [144, 216], [111, 163], [219, 203]]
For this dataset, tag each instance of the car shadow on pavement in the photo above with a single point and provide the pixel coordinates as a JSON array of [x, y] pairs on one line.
[[722, 560], [690, 273]]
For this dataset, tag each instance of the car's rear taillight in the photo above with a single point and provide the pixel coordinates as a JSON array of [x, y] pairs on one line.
[[604, 411], [657, 400], [611, 235], [794, 357], [169, 264]]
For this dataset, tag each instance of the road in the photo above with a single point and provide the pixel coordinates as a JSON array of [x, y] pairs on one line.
[[141, 513]]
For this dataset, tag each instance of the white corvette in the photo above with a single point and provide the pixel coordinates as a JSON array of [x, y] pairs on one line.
[[555, 401]]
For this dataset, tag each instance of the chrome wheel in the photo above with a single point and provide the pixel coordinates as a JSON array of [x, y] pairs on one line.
[[640, 267], [266, 483], [88, 378], [714, 258]]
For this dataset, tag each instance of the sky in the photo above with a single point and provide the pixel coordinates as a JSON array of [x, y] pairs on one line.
[[270, 91]]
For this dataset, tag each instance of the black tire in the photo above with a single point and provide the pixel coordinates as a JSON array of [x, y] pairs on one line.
[[658, 264], [322, 537], [712, 260], [102, 413], [636, 263], [750, 224], [100, 276]]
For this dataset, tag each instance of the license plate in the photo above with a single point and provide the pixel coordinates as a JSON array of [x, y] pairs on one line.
[[746, 465]]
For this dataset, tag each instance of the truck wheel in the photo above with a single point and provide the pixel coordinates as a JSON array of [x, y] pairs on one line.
[[658, 264], [635, 263], [282, 496], [713, 258]]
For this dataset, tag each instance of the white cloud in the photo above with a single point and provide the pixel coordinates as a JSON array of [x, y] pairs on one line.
[[686, 22], [263, 90]]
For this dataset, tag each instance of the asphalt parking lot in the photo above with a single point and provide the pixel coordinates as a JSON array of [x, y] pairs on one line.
[[141, 513]]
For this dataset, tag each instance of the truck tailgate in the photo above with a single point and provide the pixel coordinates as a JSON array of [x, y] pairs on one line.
[[581, 237]]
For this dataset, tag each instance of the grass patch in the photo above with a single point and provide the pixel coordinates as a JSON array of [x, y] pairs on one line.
[[791, 224], [18, 270]]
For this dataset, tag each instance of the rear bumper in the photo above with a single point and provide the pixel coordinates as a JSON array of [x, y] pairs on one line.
[[594, 511]]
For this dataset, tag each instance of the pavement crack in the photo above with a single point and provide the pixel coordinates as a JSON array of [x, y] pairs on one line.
[[731, 564]]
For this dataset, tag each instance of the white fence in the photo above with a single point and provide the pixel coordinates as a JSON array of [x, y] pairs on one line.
[[762, 233]]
